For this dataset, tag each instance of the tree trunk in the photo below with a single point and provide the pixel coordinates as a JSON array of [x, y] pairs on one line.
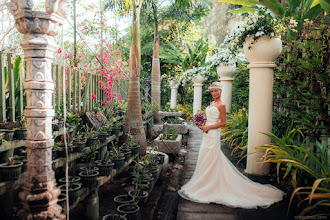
[[133, 123], [155, 72]]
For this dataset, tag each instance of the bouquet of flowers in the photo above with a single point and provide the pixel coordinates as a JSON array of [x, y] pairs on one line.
[[199, 119]]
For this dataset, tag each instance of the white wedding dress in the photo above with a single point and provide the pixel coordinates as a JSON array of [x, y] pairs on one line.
[[217, 180]]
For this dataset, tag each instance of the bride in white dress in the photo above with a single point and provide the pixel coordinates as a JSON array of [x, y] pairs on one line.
[[216, 179]]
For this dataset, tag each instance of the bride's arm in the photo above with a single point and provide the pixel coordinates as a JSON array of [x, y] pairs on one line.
[[220, 124]]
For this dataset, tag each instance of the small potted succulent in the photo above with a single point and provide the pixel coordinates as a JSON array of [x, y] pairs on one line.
[[114, 216], [103, 133]]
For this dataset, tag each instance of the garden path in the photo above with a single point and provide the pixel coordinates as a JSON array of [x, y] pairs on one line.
[[188, 210]]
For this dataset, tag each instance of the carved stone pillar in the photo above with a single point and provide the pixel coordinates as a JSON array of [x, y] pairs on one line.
[[174, 84], [198, 86], [226, 73], [40, 194]]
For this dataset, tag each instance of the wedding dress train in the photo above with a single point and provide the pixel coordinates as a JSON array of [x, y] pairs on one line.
[[217, 180]]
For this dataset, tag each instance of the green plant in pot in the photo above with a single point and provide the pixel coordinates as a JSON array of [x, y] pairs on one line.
[[131, 145], [106, 165], [103, 133], [117, 157], [20, 133], [114, 216], [89, 175], [168, 133], [140, 182], [73, 187], [11, 170], [91, 135], [79, 142]]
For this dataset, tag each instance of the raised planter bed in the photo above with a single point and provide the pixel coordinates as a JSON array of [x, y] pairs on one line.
[[170, 114], [169, 146]]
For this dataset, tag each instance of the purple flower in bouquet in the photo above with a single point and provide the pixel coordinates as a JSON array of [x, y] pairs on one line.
[[199, 119]]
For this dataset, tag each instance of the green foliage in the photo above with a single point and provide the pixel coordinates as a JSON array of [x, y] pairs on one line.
[[187, 57], [174, 120], [300, 81], [306, 164], [240, 92], [168, 133], [235, 132]]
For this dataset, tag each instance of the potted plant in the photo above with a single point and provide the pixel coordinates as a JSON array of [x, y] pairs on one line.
[[91, 136], [106, 165], [8, 134], [257, 27], [122, 199], [89, 175], [11, 170], [169, 141], [73, 187], [114, 216], [103, 133], [79, 142], [20, 133], [117, 157], [59, 147], [62, 200]]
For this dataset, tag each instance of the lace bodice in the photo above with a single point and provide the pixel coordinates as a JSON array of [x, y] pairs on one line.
[[212, 115]]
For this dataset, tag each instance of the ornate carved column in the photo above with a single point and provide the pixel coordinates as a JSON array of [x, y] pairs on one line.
[[262, 55], [226, 73], [40, 194], [198, 86], [174, 84]]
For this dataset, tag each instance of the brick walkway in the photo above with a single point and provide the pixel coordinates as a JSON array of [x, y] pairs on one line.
[[188, 210]]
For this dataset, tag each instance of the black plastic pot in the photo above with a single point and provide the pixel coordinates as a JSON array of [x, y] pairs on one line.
[[91, 141], [20, 134], [114, 217], [89, 178], [62, 200], [141, 196], [127, 155], [70, 179], [73, 192], [102, 136], [105, 169], [135, 149], [118, 161], [8, 134], [11, 172], [79, 146], [123, 199], [129, 210]]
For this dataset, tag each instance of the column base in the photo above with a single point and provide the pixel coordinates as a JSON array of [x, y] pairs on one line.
[[54, 212]]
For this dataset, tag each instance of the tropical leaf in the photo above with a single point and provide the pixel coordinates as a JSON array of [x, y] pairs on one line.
[[243, 10], [240, 2]]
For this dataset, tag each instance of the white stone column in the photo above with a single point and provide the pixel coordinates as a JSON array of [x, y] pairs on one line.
[[261, 56], [174, 84], [226, 73], [198, 86], [39, 193]]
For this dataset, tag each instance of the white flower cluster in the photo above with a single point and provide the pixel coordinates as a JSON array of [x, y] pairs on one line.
[[223, 56], [191, 73], [255, 25]]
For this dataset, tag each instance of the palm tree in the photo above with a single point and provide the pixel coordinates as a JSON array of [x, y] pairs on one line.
[[155, 71], [133, 123]]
